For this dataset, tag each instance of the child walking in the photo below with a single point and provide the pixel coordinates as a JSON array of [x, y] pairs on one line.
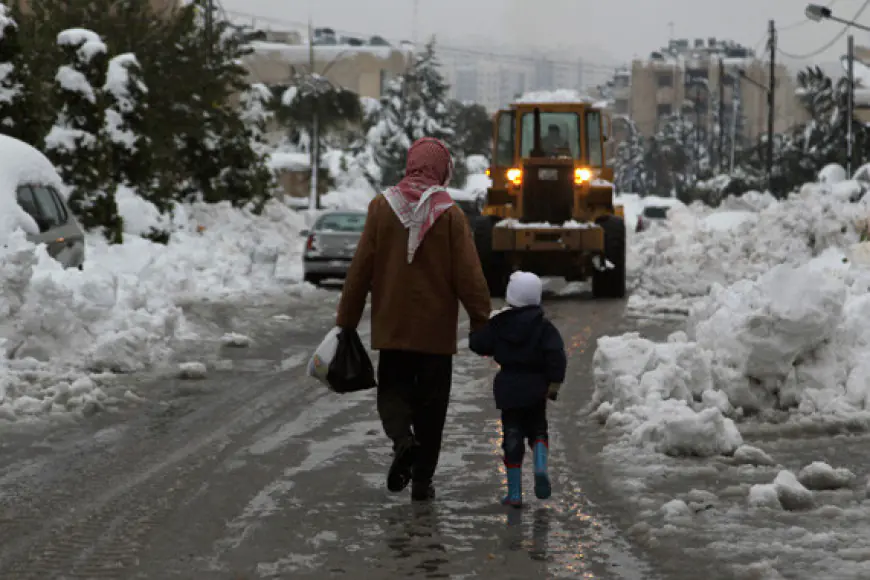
[[531, 354]]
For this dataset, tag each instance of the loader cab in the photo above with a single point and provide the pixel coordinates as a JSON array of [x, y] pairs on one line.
[[544, 147]]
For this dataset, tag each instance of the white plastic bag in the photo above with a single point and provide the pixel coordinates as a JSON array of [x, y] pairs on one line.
[[318, 366]]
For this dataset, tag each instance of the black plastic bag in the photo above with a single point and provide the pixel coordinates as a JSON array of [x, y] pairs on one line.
[[351, 369]]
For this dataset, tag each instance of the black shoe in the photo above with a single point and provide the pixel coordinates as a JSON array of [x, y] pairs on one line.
[[399, 475], [422, 491]]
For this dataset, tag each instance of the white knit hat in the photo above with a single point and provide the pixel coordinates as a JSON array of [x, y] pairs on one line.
[[524, 289]]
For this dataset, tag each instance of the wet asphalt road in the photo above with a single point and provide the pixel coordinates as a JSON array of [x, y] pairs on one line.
[[258, 472]]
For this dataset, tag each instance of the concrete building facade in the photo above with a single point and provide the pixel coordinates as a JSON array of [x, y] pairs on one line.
[[365, 70], [686, 77]]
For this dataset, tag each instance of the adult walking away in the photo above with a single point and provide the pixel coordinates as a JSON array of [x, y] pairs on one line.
[[417, 257]]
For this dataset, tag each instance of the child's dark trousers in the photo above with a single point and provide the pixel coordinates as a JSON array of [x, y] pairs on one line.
[[521, 425]]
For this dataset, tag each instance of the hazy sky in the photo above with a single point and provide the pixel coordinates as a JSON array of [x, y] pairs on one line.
[[617, 30]]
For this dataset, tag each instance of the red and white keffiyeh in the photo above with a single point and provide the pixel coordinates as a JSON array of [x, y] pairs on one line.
[[421, 198]]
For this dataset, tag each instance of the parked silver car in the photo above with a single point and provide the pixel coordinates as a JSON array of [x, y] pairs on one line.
[[331, 244], [58, 229], [36, 185]]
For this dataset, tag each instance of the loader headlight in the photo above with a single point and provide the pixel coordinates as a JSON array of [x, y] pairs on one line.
[[582, 175], [515, 176]]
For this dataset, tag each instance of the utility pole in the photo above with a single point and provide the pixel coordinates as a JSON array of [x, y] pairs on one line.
[[771, 102], [850, 133], [314, 146], [209, 29], [721, 135]]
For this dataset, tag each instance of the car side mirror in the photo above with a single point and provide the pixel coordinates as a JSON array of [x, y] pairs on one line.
[[44, 225]]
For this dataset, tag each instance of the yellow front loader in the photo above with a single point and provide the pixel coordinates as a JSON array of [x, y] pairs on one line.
[[551, 208]]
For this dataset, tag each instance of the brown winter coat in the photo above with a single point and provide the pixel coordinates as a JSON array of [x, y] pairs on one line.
[[415, 307]]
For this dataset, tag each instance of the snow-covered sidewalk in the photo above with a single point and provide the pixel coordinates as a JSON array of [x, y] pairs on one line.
[[63, 332]]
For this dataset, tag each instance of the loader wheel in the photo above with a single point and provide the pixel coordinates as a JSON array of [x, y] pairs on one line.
[[495, 267], [611, 283]]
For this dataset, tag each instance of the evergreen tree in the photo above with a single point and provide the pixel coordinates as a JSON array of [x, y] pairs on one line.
[[473, 128], [257, 114], [412, 107], [675, 156], [630, 174], [126, 117], [12, 71], [388, 136], [76, 143]]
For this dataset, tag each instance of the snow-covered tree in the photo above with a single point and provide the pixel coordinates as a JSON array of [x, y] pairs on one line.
[[11, 64], [76, 143], [257, 114], [630, 173], [413, 106], [126, 125]]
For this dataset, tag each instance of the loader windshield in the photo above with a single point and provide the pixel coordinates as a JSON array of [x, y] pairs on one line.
[[560, 134]]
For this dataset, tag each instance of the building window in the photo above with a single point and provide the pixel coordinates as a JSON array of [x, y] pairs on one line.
[[665, 79], [664, 110]]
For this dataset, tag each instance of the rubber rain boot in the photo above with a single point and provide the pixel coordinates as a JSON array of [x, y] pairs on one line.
[[543, 490], [514, 497]]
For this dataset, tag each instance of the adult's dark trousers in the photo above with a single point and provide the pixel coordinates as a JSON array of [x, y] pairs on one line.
[[520, 425], [413, 395]]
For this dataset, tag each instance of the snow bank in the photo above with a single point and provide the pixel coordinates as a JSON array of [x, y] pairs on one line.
[[673, 266], [791, 344], [60, 328], [661, 396]]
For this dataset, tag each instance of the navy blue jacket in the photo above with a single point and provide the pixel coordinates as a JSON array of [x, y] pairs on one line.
[[530, 352]]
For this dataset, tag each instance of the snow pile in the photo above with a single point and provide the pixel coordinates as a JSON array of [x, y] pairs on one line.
[[661, 395], [672, 266], [122, 314], [790, 344]]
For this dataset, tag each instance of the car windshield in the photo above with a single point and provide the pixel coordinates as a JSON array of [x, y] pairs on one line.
[[341, 222], [656, 212]]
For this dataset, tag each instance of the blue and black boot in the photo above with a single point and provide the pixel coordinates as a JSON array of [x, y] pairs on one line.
[[543, 489], [514, 497]]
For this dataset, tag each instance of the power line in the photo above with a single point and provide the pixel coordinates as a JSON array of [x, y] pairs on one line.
[[453, 50], [832, 42]]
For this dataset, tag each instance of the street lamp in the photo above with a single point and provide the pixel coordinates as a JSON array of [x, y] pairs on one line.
[[818, 13]]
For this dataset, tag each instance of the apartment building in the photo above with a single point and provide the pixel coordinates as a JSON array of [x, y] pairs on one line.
[[685, 77], [496, 82], [362, 68]]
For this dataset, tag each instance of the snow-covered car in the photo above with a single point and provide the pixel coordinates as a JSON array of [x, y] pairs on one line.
[[331, 244], [30, 198], [654, 209]]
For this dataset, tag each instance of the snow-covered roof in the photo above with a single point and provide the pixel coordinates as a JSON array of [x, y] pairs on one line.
[[557, 96], [300, 53], [21, 163]]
